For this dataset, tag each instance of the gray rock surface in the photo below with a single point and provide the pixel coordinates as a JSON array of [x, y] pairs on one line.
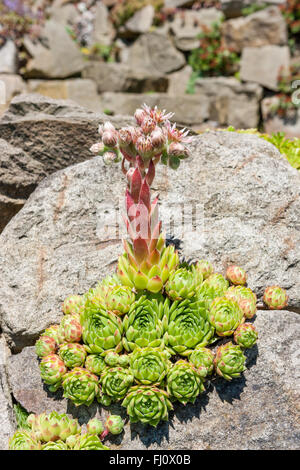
[[188, 24], [8, 57], [50, 61], [239, 198], [7, 418], [19, 176], [141, 21], [289, 124], [82, 91], [116, 76], [189, 109], [103, 32], [263, 64], [56, 133], [230, 101], [262, 28], [259, 410], [41, 135], [153, 52]]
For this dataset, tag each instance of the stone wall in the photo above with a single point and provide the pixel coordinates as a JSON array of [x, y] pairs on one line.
[[111, 66]]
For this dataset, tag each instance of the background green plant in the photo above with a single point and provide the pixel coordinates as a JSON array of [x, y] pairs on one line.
[[211, 58]]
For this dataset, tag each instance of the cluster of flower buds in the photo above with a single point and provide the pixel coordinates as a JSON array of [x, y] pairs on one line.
[[154, 138]]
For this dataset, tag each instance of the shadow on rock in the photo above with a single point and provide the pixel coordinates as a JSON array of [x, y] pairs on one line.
[[190, 410], [150, 435]]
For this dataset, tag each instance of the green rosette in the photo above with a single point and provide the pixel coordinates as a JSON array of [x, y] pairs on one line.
[[119, 299], [57, 445], [245, 298], [225, 315], [246, 335], [73, 304], [95, 363], [81, 386], [147, 404], [89, 442], [52, 370], [205, 268], [149, 365], [101, 330], [214, 286], [203, 360], [45, 345], [115, 382], [188, 327], [73, 354], [145, 324], [24, 440], [181, 284], [53, 426], [229, 361], [184, 382], [114, 424]]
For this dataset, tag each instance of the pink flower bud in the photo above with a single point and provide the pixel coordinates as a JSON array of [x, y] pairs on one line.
[[157, 137], [110, 138], [100, 130], [125, 136], [139, 116], [144, 146], [109, 158], [176, 149], [148, 125], [108, 126], [97, 148]]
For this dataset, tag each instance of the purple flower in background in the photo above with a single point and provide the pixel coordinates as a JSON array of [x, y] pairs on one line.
[[16, 5]]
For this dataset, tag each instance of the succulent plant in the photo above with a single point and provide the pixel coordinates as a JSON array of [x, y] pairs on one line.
[[111, 358], [52, 370], [225, 315], [81, 386], [214, 286], [95, 426], [114, 424], [101, 330], [147, 404], [245, 298], [143, 325], [73, 354], [24, 440], [147, 262], [73, 304], [188, 327], [229, 361], [88, 442], [123, 360], [115, 382], [149, 365], [104, 286], [204, 267], [246, 335], [53, 426], [181, 284], [70, 329], [275, 297], [118, 299], [203, 359], [45, 345], [57, 445], [95, 363], [184, 382], [236, 275], [52, 331]]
